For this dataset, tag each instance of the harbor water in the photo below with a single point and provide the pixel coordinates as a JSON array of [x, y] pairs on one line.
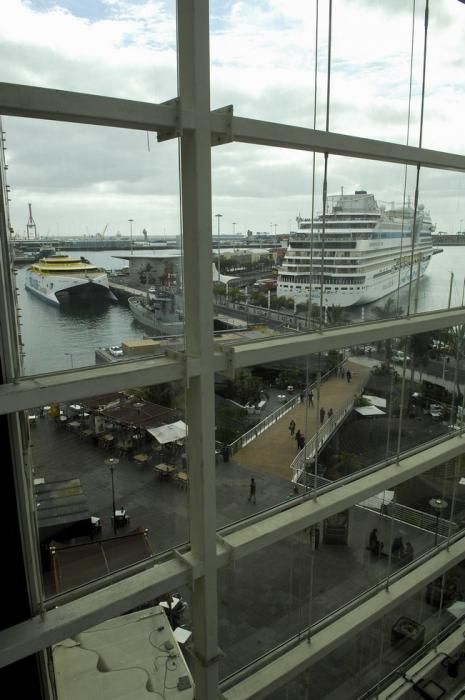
[[56, 338]]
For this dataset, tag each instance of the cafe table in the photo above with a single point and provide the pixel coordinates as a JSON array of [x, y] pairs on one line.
[[141, 458], [164, 470], [182, 478]]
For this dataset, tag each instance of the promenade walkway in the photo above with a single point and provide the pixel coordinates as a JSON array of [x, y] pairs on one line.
[[273, 451]]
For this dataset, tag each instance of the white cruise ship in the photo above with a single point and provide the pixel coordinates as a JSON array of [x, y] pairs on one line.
[[364, 251], [60, 279]]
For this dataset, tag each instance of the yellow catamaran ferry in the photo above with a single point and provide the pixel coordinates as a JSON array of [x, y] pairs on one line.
[[60, 279]]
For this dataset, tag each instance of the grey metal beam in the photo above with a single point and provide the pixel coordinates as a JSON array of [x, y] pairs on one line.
[[55, 625], [262, 533], [30, 392], [281, 348], [294, 662], [82, 108], [300, 138], [194, 90]]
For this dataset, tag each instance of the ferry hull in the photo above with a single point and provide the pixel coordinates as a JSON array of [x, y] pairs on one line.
[[58, 292]]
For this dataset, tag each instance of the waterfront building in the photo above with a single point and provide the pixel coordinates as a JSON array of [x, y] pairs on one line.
[[362, 626]]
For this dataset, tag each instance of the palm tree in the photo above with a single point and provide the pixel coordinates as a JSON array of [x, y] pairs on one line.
[[389, 310], [457, 345], [337, 316]]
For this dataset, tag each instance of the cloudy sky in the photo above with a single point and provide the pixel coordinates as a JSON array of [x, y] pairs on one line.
[[80, 178]]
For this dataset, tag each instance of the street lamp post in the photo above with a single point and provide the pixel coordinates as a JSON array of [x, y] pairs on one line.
[[70, 358], [218, 216], [437, 504], [112, 462], [131, 221]]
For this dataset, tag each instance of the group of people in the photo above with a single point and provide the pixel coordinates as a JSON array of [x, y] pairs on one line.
[[298, 436], [343, 373], [398, 549]]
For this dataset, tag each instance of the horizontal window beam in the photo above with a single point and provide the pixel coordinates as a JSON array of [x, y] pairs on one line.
[[292, 663], [300, 138], [262, 533], [30, 392], [286, 347], [61, 622], [82, 108]]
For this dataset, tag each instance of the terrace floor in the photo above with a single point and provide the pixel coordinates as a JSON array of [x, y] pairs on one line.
[[263, 599]]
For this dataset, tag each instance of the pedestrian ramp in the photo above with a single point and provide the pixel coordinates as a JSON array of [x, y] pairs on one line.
[[275, 449]]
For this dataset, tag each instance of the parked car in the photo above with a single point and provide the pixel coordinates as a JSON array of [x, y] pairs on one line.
[[116, 351], [398, 357], [436, 410]]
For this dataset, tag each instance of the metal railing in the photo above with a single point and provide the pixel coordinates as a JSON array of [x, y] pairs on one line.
[[313, 446], [263, 425], [267, 422], [398, 511]]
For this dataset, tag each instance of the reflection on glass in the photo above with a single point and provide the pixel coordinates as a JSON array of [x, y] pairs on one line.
[[316, 420], [388, 657], [110, 482]]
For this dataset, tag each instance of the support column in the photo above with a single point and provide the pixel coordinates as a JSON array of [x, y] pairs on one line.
[[194, 91]]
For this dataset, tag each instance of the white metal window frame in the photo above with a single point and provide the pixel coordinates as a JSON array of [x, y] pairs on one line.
[[189, 117]]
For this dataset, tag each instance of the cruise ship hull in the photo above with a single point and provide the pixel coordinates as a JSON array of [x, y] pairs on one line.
[[374, 291], [58, 291], [357, 253]]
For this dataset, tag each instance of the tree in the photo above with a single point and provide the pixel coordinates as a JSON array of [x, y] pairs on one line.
[[337, 315], [235, 294], [457, 345], [389, 310], [420, 346], [145, 274], [219, 290]]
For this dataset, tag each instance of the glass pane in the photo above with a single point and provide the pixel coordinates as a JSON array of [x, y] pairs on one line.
[[371, 253], [110, 479], [130, 47], [278, 592], [311, 421], [417, 646], [95, 247]]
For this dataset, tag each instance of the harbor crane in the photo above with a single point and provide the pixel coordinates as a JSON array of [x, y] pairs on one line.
[[31, 228], [102, 235]]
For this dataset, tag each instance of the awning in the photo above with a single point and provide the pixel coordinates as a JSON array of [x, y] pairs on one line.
[[169, 433], [375, 400], [369, 411]]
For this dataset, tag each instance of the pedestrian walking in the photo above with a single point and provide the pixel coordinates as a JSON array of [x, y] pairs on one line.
[[292, 427], [301, 442], [322, 415], [349, 376], [330, 413], [252, 490], [302, 396], [297, 439], [310, 398]]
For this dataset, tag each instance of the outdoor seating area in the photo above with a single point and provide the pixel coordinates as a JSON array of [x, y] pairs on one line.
[[144, 432]]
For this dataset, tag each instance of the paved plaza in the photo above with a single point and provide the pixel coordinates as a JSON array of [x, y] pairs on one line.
[[264, 598]]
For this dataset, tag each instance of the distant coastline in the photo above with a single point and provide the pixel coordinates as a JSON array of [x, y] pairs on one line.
[[448, 239]]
